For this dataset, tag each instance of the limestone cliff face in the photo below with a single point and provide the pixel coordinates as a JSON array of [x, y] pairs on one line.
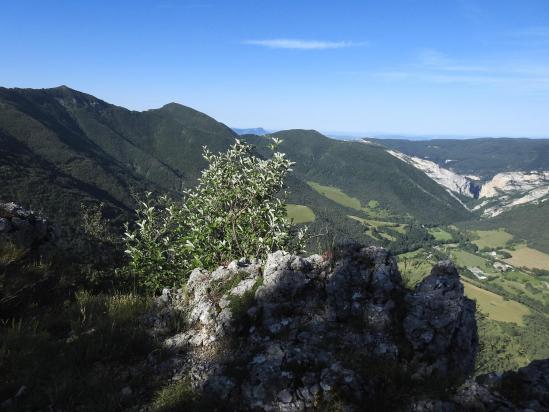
[[305, 333], [502, 192]]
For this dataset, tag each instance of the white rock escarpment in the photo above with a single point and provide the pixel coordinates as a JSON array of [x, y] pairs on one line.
[[444, 177], [501, 193]]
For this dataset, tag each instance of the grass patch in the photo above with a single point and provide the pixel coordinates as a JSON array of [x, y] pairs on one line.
[[300, 213], [337, 195], [220, 287], [387, 236], [495, 306], [175, 397], [492, 239], [379, 225], [372, 208], [9, 253], [398, 227], [440, 234], [240, 304], [77, 357], [530, 258], [467, 259]]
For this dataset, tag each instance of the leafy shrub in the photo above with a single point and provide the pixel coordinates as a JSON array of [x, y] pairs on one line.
[[235, 211]]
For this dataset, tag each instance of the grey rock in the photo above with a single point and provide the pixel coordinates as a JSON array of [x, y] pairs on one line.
[[126, 391], [5, 225], [26, 229], [166, 296], [22, 390], [441, 325], [243, 287], [285, 396], [233, 266], [220, 274], [314, 327]]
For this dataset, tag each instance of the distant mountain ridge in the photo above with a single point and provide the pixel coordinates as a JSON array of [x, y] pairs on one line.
[[254, 130], [60, 147]]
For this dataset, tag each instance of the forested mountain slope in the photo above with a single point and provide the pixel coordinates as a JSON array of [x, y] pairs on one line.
[[367, 172], [59, 147]]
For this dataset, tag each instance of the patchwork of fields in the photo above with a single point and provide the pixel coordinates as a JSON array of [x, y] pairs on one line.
[[492, 238], [529, 258], [512, 300], [495, 306]]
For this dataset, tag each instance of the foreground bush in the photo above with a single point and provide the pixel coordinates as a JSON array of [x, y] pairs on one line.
[[235, 211]]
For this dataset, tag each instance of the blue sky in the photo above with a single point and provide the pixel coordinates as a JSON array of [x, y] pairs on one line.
[[451, 67]]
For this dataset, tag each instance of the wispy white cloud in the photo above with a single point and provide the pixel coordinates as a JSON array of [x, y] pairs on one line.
[[432, 66], [531, 32], [433, 59], [300, 44], [529, 37]]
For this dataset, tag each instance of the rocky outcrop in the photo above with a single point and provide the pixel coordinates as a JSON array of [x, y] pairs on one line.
[[24, 228], [441, 324], [525, 390], [305, 333], [26, 241]]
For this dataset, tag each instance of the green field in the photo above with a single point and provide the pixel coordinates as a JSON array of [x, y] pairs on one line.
[[467, 259], [414, 266], [440, 234], [492, 239], [337, 195], [494, 306], [530, 258], [379, 226], [300, 213], [398, 227]]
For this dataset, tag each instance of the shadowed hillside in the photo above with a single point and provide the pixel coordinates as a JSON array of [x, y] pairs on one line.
[[59, 147]]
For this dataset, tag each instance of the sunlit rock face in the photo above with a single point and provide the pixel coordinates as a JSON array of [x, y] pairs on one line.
[[452, 181], [507, 190], [499, 194], [514, 182]]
